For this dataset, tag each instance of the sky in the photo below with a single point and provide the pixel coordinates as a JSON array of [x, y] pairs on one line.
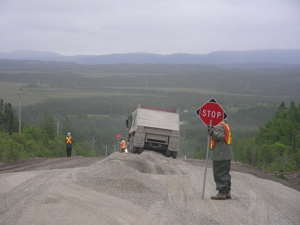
[[98, 27]]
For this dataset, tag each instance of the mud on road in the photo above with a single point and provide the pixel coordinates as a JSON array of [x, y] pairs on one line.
[[138, 189]]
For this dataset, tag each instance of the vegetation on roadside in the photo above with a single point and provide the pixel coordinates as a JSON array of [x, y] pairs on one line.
[[34, 141], [276, 146]]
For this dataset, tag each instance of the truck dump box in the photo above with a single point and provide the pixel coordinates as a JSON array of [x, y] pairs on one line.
[[154, 128]]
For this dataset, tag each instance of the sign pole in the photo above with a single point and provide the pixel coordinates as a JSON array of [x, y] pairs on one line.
[[118, 136], [206, 160]]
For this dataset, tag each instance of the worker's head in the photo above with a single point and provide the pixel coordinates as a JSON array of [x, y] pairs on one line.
[[122, 138], [69, 134]]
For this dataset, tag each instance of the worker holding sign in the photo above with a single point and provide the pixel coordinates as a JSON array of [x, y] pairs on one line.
[[221, 154], [219, 141]]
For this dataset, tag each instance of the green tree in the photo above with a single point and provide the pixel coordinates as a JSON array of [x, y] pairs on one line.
[[8, 121], [282, 106], [49, 126], [1, 112], [9, 149], [277, 140]]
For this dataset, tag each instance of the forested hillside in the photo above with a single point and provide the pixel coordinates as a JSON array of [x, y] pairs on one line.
[[276, 146]]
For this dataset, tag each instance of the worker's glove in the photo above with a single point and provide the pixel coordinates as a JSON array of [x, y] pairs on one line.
[[210, 131]]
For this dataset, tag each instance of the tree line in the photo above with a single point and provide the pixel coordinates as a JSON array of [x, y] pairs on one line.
[[275, 146]]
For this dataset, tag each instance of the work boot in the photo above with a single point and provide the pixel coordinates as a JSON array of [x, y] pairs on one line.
[[228, 195], [219, 196]]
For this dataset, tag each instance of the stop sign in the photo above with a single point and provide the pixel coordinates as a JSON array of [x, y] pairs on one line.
[[211, 113], [118, 136]]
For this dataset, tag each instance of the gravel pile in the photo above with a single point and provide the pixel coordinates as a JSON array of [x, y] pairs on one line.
[[148, 181]]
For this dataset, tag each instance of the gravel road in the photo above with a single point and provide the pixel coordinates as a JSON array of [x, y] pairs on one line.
[[137, 189]]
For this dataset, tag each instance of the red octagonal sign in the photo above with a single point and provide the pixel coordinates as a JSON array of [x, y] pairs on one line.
[[211, 113]]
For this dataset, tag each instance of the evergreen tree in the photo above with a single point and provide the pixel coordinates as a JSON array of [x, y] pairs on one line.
[[8, 118], [1, 112], [282, 106], [49, 126]]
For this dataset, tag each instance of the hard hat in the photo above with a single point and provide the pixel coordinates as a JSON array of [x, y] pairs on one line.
[[122, 138], [69, 134]]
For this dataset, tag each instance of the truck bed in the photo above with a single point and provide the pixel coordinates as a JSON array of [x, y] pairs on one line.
[[158, 119]]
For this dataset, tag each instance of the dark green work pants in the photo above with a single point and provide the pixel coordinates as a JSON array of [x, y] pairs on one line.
[[221, 170]]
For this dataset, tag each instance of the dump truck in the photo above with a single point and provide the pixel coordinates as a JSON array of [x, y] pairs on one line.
[[153, 128]]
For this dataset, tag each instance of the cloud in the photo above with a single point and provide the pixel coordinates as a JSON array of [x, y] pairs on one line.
[[158, 26]]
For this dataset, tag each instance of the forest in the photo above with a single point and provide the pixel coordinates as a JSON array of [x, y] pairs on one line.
[[93, 101]]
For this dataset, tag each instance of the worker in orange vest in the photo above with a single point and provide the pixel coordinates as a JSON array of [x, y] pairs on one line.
[[69, 144], [122, 145], [221, 155]]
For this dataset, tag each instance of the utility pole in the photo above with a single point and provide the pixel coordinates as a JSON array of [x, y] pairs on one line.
[[106, 151], [93, 143], [20, 110], [294, 137], [57, 127]]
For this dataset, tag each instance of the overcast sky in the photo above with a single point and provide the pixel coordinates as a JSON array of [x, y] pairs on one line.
[[73, 27]]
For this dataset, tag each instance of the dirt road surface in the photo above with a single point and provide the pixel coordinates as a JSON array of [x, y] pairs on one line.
[[137, 189]]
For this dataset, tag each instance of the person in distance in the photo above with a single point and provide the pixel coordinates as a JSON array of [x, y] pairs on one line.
[[69, 144]]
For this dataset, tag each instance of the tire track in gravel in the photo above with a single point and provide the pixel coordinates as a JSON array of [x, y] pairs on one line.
[[48, 181], [19, 198]]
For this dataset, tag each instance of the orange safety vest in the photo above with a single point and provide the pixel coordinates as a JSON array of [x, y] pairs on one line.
[[69, 140], [122, 145], [227, 137]]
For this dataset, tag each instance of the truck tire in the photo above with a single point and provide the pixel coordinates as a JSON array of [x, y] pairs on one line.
[[174, 155], [133, 149], [140, 150], [168, 153]]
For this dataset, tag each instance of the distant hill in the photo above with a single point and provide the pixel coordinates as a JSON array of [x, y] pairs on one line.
[[291, 56]]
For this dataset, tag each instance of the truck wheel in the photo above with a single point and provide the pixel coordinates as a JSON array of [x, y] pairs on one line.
[[140, 150], [174, 155], [168, 153], [133, 149]]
